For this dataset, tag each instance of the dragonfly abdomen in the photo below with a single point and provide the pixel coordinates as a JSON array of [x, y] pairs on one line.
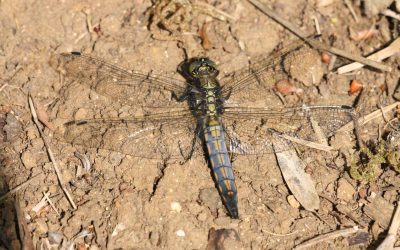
[[221, 164]]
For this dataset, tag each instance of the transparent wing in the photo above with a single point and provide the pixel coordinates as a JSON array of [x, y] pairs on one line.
[[171, 134], [134, 88], [253, 130], [297, 62]]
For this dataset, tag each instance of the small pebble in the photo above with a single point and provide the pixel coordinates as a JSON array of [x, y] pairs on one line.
[[28, 159], [339, 161], [175, 206], [41, 227], [345, 190], [180, 233], [326, 57], [55, 237], [81, 113], [37, 143], [293, 202], [242, 46], [363, 193]]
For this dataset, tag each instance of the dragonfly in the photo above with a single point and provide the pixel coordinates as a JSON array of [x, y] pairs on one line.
[[199, 115]]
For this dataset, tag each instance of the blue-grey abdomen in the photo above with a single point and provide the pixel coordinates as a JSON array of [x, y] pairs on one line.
[[221, 164]]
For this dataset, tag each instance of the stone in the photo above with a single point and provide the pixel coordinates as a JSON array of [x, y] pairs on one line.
[[345, 190], [180, 233], [28, 159], [176, 207], [293, 202]]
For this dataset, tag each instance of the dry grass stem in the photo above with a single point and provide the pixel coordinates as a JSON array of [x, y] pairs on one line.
[[19, 187], [390, 239], [377, 114], [310, 144], [51, 155], [47, 197], [329, 236], [392, 49]]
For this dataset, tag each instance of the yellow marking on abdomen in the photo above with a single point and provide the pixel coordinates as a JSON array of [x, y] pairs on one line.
[[217, 144], [228, 184]]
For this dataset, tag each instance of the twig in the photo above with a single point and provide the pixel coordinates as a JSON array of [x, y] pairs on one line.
[[391, 13], [39, 206], [80, 37], [310, 144], [348, 55], [24, 234], [89, 25], [47, 197], [388, 122], [350, 7], [317, 27], [42, 115], [372, 116], [392, 49], [50, 153], [390, 239], [317, 44], [365, 33], [3, 86], [328, 236], [19, 187]]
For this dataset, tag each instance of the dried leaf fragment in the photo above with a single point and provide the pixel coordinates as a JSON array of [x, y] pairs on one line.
[[364, 34], [42, 115], [205, 41], [298, 181]]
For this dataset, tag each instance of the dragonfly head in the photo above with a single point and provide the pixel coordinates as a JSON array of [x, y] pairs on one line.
[[202, 67]]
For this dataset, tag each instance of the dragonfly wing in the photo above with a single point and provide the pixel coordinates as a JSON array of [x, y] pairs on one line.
[[297, 62], [132, 88], [253, 130], [157, 136]]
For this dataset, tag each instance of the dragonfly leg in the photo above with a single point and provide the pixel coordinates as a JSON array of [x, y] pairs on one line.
[[225, 98], [179, 98], [187, 156], [182, 97]]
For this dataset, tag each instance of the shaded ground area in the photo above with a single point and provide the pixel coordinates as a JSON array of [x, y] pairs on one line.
[[136, 203]]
